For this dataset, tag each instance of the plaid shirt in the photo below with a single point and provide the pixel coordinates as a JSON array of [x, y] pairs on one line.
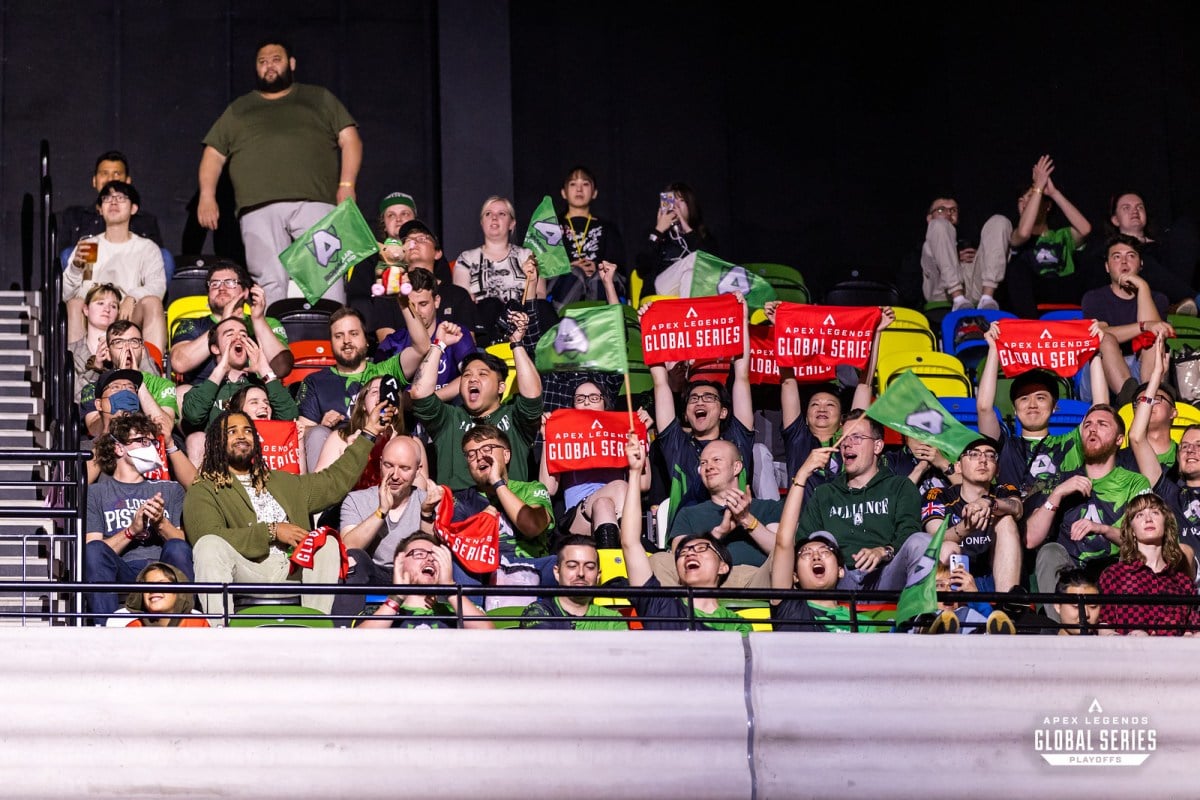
[[1122, 578]]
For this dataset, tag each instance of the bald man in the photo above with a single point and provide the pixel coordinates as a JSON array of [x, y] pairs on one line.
[[375, 521], [746, 525]]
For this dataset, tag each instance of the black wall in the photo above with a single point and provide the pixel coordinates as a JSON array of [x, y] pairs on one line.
[[817, 143]]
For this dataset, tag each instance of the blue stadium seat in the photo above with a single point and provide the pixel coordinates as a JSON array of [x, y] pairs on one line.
[[1067, 415], [963, 410], [963, 330]]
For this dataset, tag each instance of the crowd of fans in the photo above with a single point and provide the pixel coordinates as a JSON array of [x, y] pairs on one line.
[[417, 459]]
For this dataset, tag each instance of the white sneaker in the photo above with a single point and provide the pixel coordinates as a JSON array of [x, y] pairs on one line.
[[961, 302], [988, 302]]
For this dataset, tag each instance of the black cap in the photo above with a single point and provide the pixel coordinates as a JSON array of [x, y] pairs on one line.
[[825, 537], [131, 375], [416, 226], [1034, 377]]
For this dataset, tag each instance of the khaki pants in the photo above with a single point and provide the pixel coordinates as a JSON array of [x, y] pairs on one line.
[[941, 270], [216, 561]]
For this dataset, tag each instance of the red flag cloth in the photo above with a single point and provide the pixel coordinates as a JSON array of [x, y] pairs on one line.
[[824, 336], [160, 473], [475, 541], [1062, 347], [280, 444], [693, 327], [764, 369], [577, 439], [302, 554]]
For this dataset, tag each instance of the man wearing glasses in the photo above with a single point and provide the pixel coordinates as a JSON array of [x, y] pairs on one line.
[[954, 269], [422, 560], [230, 288], [873, 514], [982, 516], [120, 257], [131, 521], [127, 355], [523, 508]]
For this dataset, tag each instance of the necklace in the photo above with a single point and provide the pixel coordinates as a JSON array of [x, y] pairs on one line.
[[579, 239]]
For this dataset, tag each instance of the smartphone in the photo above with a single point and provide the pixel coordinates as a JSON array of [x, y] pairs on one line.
[[957, 559], [389, 391], [666, 200]]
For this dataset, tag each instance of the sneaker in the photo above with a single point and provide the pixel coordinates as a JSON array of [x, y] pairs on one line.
[[999, 622], [945, 622], [988, 303], [960, 303], [1187, 307]]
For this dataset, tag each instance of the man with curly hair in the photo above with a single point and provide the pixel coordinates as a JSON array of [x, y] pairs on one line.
[[245, 520]]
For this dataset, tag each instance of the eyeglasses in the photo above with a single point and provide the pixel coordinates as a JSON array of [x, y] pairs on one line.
[[986, 455], [481, 451], [1189, 447], [121, 344], [114, 200], [939, 211], [589, 399], [142, 441], [695, 548], [809, 553], [227, 283], [418, 238], [703, 397], [419, 555], [854, 440]]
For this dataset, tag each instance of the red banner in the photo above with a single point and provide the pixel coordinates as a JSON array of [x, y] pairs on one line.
[[1062, 347], [824, 336], [475, 541], [588, 439], [162, 473], [280, 444], [303, 554], [689, 328]]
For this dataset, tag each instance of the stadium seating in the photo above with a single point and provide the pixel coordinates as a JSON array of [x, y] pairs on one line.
[[1186, 416], [788, 283], [963, 330], [301, 319], [503, 350], [861, 292], [188, 307], [1067, 414], [941, 373], [963, 409], [909, 331]]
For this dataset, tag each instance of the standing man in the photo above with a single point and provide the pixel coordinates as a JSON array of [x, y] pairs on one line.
[[282, 142]]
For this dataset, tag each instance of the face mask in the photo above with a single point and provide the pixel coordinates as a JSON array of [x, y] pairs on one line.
[[145, 459]]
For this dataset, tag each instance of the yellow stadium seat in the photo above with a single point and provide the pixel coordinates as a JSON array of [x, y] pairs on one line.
[[504, 351], [942, 374], [1186, 416], [910, 330], [635, 288], [188, 307]]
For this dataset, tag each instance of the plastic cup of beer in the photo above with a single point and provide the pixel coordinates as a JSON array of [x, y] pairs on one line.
[[88, 250]]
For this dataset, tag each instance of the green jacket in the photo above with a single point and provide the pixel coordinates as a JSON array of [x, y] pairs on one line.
[[228, 513], [206, 400], [884, 512]]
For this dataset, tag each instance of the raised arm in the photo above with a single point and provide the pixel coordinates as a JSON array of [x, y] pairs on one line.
[[1080, 227], [278, 354], [637, 563], [418, 345], [783, 562], [743, 402], [985, 393], [1029, 217], [425, 378], [1139, 442], [529, 380], [863, 392]]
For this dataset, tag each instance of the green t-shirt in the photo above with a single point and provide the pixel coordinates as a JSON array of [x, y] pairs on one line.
[[531, 493], [1105, 505], [282, 149], [596, 618], [717, 620], [519, 418]]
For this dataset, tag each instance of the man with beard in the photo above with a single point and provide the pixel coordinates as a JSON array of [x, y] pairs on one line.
[[325, 396], [422, 560], [131, 521], [577, 564], [483, 377], [243, 518], [281, 142], [230, 288], [240, 363], [1085, 510]]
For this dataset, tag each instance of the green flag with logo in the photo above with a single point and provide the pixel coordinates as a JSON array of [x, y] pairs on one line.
[[712, 276], [585, 339], [908, 407], [545, 239], [919, 595], [320, 257]]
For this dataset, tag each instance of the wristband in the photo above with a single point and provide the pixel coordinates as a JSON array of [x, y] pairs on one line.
[[496, 486], [370, 437], [272, 531], [172, 450], [1049, 506], [346, 184], [129, 534], [748, 528], [438, 345], [428, 517], [654, 237], [392, 604]]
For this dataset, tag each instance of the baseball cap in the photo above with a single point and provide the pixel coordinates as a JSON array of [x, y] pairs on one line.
[[825, 537], [397, 199], [131, 375], [416, 226], [1022, 384]]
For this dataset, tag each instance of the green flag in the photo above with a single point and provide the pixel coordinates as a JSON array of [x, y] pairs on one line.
[[919, 595], [545, 239], [712, 276], [585, 339], [908, 407], [320, 257]]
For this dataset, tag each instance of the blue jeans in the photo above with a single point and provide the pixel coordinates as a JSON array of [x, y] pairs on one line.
[[893, 576], [101, 564]]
